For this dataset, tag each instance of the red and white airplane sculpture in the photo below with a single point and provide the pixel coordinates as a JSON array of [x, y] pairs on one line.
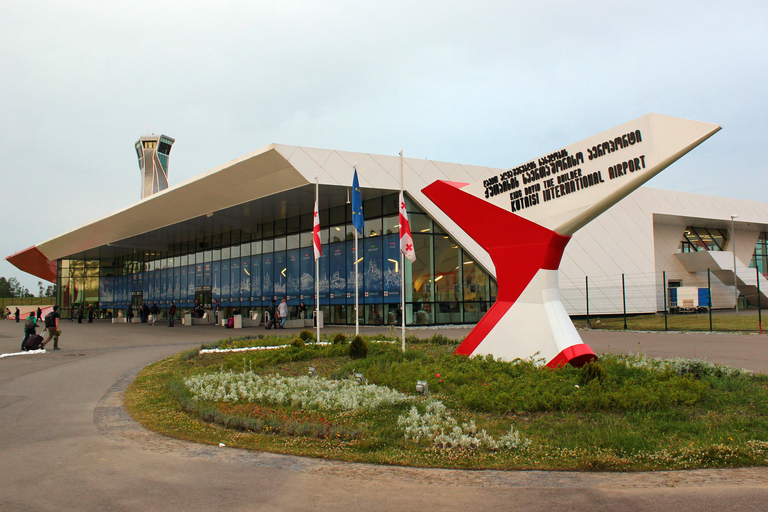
[[525, 217]]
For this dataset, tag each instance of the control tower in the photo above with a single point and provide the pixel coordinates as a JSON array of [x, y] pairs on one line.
[[153, 152]]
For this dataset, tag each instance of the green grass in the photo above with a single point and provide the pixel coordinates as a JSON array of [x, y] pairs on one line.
[[631, 416], [681, 322]]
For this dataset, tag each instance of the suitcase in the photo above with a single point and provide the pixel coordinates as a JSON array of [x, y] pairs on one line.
[[34, 342]]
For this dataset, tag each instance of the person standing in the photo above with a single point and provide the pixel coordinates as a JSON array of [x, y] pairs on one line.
[[72, 313], [39, 314], [52, 327], [153, 312], [302, 310], [282, 310], [91, 313], [29, 328], [129, 315], [271, 314], [17, 315], [80, 314], [171, 314]]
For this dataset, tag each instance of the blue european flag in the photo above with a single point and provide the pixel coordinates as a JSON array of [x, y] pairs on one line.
[[357, 206]]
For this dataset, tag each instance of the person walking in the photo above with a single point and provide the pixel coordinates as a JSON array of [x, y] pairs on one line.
[[91, 313], [282, 310], [39, 314], [80, 313], [29, 328], [52, 326], [17, 315], [171, 314]]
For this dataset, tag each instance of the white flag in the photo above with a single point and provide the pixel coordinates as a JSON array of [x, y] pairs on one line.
[[406, 241]]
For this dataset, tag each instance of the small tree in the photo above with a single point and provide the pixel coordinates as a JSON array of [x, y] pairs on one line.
[[358, 349]]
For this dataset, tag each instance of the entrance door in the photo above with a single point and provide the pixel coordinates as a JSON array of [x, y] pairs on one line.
[[203, 296]]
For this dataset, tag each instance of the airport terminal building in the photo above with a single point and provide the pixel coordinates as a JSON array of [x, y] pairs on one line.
[[241, 234]]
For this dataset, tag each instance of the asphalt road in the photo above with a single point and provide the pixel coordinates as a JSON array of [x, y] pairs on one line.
[[66, 443]]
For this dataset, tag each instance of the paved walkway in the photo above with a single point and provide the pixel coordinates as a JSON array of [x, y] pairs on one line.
[[66, 443]]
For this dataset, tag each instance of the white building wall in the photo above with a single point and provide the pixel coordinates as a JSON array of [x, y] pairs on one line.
[[639, 237]]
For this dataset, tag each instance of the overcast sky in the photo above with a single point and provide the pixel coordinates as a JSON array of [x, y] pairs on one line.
[[489, 83]]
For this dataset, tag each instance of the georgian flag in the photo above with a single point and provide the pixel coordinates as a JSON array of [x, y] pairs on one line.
[[316, 234], [406, 241]]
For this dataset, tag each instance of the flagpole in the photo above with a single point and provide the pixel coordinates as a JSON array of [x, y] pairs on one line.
[[402, 265], [357, 292], [317, 265]]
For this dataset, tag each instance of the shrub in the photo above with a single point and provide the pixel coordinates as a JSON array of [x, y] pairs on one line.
[[358, 349], [592, 371], [306, 335], [297, 342], [339, 339]]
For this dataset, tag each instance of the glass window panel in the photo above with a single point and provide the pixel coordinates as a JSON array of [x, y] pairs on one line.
[[245, 249], [338, 233], [306, 239], [256, 247], [421, 271], [292, 241], [389, 204], [372, 208], [293, 225], [372, 227], [391, 225], [280, 227], [280, 244], [268, 246], [419, 223], [447, 285], [475, 280]]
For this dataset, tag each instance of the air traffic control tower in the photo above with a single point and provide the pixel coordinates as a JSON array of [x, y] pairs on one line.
[[153, 152]]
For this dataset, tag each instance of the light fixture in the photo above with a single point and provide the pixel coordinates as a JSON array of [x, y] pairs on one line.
[[422, 387], [283, 272], [468, 262], [312, 372], [438, 278], [359, 378], [397, 263], [358, 261], [209, 215], [424, 230]]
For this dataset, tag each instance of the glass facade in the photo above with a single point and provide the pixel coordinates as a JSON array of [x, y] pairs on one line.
[[276, 260], [703, 239], [760, 257]]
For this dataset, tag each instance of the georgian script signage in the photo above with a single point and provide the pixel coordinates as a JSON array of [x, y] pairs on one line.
[[560, 189]]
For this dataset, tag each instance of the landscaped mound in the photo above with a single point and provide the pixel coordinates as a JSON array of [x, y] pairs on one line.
[[622, 413]]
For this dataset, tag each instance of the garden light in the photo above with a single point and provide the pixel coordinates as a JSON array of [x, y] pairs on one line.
[[360, 378], [422, 387], [312, 372]]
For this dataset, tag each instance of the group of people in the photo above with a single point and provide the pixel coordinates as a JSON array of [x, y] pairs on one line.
[[31, 339], [79, 312], [277, 315], [150, 314]]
